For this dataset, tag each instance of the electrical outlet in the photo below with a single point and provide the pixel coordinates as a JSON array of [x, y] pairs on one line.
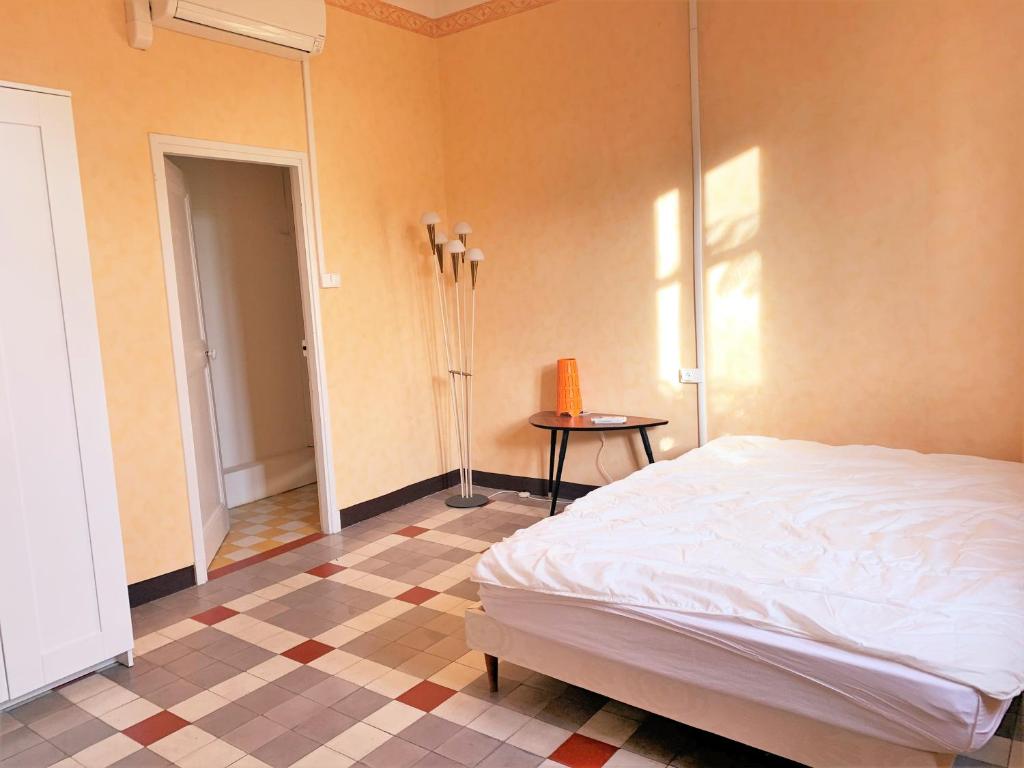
[[691, 376], [330, 280]]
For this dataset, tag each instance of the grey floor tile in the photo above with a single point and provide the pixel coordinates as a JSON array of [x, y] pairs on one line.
[[330, 691], [211, 674], [284, 750], [172, 694], [434, 760], [301, 679], [225, 719], [264, 698], [254, 734], [430, 731], [361, 704], [324, 725], [507, 756], [468, 747], [40, 756], [190, 662], [142, 758], [295, 710], [165, 654], [18, 740], [60, 721], [395, 753], [81, 736], [39, 708]]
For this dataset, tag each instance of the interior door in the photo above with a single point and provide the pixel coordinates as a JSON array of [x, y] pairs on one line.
[[198, 355], [64, 600]]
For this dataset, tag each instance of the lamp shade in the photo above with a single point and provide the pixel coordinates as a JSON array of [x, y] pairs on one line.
[[441, 238], [475, 254], [456, 247], [463, 228], [430, 218], [569, 399]]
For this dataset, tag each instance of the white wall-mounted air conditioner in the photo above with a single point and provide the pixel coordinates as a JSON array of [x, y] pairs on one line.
[[291, 28]]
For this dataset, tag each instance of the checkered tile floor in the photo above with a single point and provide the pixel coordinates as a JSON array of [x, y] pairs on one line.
[[349, 651], [269, 523]]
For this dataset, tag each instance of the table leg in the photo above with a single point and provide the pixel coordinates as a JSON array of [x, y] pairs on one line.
[[551, 460], [558, 475], [647, 445]]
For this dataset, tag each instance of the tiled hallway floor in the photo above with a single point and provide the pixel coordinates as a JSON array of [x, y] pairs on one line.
[[350, 651], [269, 523]]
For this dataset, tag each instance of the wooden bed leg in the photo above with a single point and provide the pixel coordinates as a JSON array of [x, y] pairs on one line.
[[492, 671]]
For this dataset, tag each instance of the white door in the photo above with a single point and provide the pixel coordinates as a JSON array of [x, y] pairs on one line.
[[64, 599], [198, 354]]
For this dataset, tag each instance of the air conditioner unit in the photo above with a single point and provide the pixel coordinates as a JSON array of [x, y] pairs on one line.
[[291, 28]]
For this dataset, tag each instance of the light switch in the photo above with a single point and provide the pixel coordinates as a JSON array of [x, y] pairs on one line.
[[691, 375], [330, 280]]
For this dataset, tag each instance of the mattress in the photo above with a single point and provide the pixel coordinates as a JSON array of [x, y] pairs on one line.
[[860, 693], [895, 555]]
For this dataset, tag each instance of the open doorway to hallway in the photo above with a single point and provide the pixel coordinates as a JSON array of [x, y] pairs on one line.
[[237, 274]]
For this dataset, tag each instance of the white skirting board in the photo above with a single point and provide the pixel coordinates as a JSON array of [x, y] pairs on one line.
[[793, 736], [276, 474]]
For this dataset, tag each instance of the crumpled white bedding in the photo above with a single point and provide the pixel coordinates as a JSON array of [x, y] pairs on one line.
[[918, 558]]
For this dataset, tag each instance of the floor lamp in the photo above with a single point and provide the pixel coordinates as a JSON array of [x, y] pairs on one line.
[[457, 302]]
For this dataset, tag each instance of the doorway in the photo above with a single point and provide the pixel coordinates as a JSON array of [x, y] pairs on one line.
[[248, 362]]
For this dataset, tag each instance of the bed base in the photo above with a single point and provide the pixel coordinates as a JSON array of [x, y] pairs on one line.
[[792, 736]]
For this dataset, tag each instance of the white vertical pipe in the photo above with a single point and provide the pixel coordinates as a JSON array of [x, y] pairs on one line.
[[698, 228]]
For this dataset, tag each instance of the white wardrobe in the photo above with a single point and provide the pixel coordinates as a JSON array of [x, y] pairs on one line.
[[63, 592]]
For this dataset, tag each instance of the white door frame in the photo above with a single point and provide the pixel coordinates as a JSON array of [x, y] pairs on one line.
[[161, 146]]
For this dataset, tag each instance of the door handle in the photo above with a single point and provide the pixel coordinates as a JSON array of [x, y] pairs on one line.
[[211, 354]]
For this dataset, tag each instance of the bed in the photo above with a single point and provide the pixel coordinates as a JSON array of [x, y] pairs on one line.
[[853, 605]]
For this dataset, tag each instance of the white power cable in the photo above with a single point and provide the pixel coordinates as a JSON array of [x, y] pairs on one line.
[[600, 466]]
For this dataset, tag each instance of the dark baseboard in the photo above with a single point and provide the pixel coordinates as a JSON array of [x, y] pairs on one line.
[[161, 586], [534, 485], [364, 510]]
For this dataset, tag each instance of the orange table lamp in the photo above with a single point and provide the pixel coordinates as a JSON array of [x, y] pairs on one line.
[[569, 399]]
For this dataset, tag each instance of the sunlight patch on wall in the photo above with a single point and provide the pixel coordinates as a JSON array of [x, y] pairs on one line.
[[733, 295], [732, 201], [668, 296], [668, 302], [666, 222]]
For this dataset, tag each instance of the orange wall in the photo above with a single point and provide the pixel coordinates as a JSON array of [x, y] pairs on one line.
[[378, 133], [564, 128], [182, 86], [864, 245], [379, 139], [866, 270]]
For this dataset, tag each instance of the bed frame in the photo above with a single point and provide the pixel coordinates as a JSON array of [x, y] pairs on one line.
[[773, 730]]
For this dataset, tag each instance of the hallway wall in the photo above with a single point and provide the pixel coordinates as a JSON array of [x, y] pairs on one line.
[[243, 224]]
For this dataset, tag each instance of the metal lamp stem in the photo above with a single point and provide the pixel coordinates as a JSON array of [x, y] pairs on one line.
[[458, 324]]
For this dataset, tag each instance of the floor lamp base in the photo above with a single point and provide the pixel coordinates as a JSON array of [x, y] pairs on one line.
[[463, 502]]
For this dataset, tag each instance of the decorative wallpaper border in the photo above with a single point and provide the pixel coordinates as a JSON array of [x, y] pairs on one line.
[[485, 12]]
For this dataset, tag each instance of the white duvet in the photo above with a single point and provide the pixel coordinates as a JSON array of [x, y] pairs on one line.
[[906, 556]]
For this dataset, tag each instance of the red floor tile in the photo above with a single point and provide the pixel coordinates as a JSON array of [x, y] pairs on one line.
[[224, 570], [583, 752], [417, 595], [426, 696], [214, 615], [412, 530], [325, 570], [307, 651], [154, 728]]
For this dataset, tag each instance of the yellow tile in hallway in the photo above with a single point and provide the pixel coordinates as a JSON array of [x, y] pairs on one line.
[[268, 523]]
